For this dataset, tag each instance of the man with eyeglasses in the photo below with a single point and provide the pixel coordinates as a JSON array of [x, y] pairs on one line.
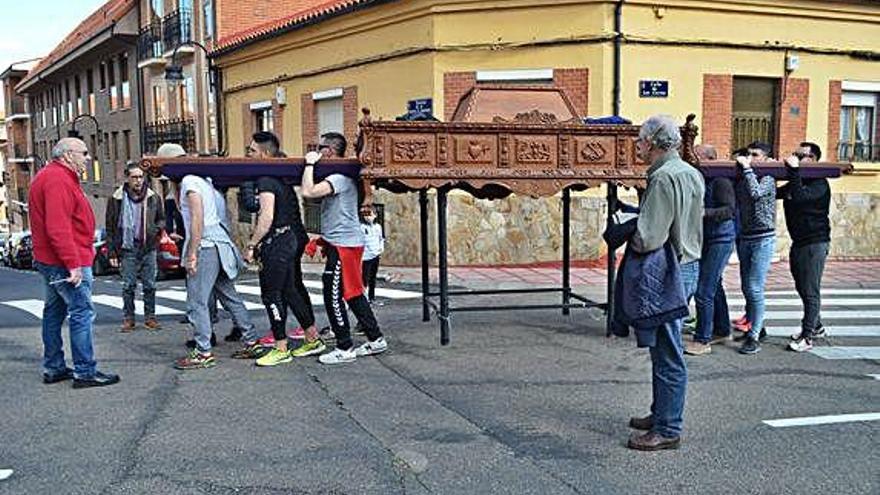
[[806, 203], [134, 220], [63, 232]]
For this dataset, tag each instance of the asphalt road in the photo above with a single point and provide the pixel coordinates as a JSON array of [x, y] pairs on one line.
[[520, 402]]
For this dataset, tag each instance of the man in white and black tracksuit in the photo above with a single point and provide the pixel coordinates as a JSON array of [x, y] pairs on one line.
[[343, 243]]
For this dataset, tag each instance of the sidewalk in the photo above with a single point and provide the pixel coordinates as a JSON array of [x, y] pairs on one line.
[[837, 274]]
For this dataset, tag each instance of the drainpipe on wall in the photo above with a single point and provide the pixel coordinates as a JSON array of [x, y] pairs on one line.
[[618, 39]]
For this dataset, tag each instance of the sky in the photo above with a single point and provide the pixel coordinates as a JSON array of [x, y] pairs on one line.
[[31, 28]]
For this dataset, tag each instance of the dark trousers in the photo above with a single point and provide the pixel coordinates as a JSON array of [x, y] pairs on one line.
[[281, 282], [335, 305], [138, 263], [807, 264], [371, 269]]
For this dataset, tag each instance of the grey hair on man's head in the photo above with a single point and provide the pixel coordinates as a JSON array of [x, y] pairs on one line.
[[63, 146], [662, 132]]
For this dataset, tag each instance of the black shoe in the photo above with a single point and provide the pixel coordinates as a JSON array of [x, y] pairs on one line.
[[762, 336], [645, 423], [234, 335], [191, 343], [67, 374], [819, 331], [97, 380], [750, 346], [183, 320]]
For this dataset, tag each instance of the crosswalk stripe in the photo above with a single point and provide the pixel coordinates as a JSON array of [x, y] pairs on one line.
[[826, 315], [380, 292], [116, 302], [32, 306], [826, 302], [831, 331], [828, 292], [841, 352], [875, 376], [255, 291], [822, 420], [176, 295]]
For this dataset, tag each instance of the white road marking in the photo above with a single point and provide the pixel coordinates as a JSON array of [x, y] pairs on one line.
[[831, 331], [822, 420], [176, 295], [875, 376], [826, 315], [255, 291], [32, 306], [828, 292], [5, 473], [116, 302], [826, 302], [386, 293], [841, 352]]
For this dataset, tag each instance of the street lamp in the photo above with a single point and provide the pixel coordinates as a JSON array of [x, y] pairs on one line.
[[174, 75]]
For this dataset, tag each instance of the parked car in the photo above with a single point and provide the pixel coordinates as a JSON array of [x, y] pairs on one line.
[[167, 256], [20, 253], [101, 265], [4, 236]]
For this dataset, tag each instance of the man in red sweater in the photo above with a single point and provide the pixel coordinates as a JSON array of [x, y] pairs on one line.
[[63, 230]]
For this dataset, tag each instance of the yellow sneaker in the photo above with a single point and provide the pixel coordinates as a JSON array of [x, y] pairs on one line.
[[275, 357], [309, 349]]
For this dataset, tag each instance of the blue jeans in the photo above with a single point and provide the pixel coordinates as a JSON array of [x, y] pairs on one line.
[[138, 263], [713, 315], [668, 380], [63, 300], [690, 274], [755, 256]]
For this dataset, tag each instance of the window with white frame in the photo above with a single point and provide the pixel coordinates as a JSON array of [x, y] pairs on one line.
[[329, 110], [263, 116], [859, 122]]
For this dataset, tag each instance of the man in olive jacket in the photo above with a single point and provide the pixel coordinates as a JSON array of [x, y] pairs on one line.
[[135, 217]]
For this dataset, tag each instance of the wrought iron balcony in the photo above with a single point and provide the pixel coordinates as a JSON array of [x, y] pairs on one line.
[[180, 131], [150, 44], [177, 28]]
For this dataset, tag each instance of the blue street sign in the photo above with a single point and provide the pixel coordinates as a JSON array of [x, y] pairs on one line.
[[653, 89], [421, 106]]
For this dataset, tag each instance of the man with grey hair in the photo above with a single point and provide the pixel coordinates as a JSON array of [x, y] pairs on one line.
[[63, 230], [671, 211]]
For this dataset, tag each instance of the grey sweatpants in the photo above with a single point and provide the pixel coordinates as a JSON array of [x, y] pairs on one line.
[[211, 277]]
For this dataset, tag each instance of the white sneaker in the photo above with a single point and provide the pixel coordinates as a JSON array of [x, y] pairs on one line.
[[800, 345], [377, 346], [338, 356]]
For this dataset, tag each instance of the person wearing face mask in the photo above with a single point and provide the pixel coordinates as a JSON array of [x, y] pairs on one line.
[[374, 246], [670, 214], [135, 217], [63, 231]]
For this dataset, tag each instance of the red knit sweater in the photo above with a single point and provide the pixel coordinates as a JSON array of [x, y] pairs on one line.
[[62, 220]]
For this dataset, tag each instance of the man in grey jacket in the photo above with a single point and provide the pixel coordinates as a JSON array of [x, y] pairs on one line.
[[671, 211], [135, 216]]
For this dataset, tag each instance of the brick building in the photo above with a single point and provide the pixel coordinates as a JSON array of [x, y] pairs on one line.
[[19, 162], [87, 86]]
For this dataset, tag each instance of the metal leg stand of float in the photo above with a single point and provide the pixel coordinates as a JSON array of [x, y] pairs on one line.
[[423, 225], [566, 251], [612, 259], [443, 314]]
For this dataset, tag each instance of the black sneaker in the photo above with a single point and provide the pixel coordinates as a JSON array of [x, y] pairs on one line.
[[762, 336], [234, 335], [191, 343], [97, 380], [49, 378], [750, 346]]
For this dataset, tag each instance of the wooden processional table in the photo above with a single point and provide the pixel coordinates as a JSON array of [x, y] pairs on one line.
[[532, 155]]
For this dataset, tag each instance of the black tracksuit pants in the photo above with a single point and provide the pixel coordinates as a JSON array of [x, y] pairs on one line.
[[281, 282]]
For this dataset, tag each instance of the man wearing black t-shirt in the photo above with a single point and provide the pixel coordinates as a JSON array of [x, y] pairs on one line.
[[278, 242]]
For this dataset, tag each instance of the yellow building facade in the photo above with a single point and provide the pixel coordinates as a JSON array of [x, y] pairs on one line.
[[783, 71]]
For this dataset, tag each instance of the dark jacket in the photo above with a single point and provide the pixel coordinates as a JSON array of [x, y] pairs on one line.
[[806, 203], [719, 208], [648, 293], [756, 205], [154, 219]]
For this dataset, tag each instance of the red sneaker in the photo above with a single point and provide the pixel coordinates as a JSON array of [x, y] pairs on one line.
[[297, 334], [741, 324], [267, 341]]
